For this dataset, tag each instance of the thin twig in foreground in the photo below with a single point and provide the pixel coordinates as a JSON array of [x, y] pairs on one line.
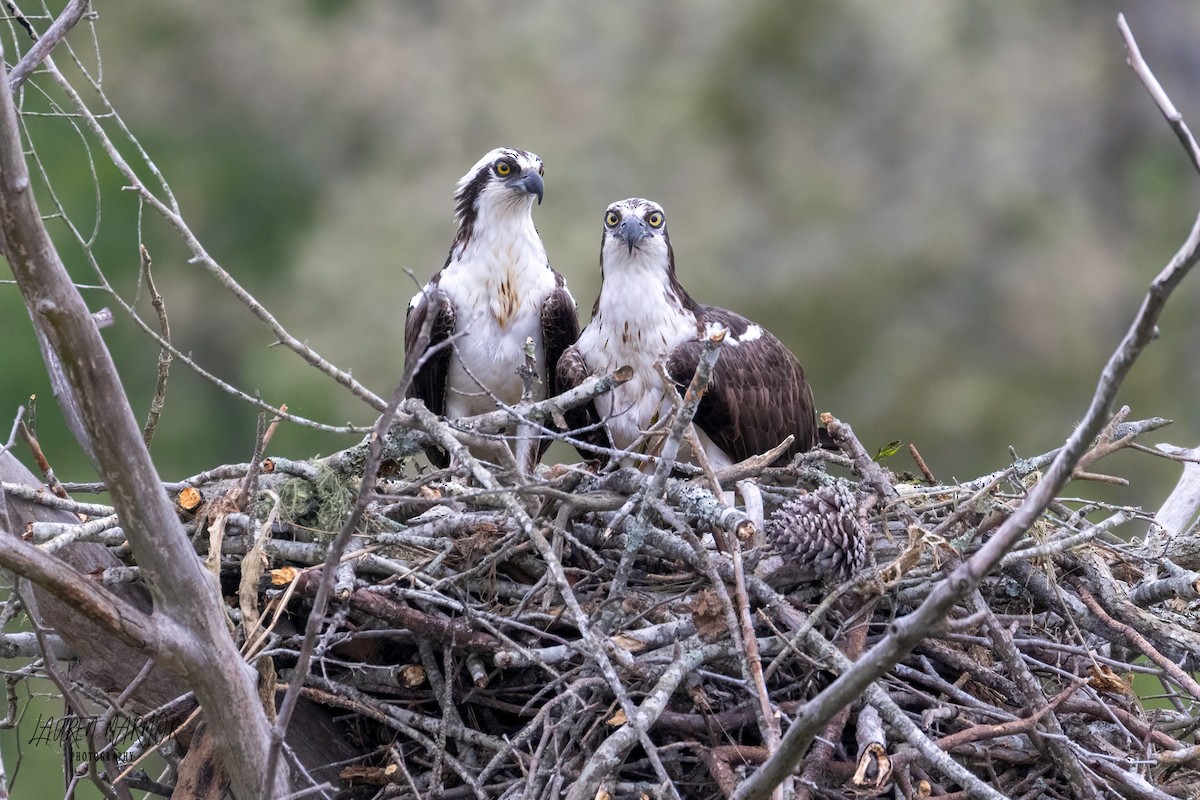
[[164, 354], [12, 434], [67, 20], [1161, 99], [662, 470], [316, 619]]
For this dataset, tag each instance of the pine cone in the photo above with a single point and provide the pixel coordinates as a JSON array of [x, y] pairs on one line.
[[818, 534]]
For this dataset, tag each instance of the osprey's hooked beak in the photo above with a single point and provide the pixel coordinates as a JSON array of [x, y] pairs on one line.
[[530, 183], [632, 230]]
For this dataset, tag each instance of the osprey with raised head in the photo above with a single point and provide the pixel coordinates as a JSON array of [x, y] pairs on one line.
[[758, 394], [498, 291]]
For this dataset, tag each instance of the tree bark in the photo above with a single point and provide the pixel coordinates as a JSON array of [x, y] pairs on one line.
[[187, 613]]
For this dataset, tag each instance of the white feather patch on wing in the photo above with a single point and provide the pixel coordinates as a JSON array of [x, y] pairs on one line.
[[753, 333]]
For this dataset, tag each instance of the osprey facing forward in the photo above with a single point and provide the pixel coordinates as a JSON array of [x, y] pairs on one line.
[[757, 395], [498, 289]]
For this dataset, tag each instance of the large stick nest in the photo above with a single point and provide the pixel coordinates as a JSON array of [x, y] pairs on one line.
[[455, 661]]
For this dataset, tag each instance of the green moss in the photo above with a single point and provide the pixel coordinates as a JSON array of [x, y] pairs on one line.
[[321, 505]]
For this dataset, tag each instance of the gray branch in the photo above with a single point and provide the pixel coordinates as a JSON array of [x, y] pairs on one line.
[[188, 617]]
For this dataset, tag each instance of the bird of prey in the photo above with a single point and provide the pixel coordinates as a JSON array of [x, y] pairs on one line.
[[497, 291], [643, 316]]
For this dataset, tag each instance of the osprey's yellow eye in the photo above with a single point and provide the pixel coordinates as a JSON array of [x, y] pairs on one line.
[[611, 219], [503, 168], [655, 218], [541, 169]]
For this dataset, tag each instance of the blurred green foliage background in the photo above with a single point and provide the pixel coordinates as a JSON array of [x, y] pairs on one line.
[[948, 210]]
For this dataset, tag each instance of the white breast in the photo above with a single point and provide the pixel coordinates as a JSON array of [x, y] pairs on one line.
[[637, 323], [498, 284]]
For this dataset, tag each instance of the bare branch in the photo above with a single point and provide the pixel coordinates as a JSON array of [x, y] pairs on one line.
[[200, 256], [12, 434], [185, 596], [680, 423], [1169, 112], [122, 620], [614, 749], [164, 355], [40, 51]]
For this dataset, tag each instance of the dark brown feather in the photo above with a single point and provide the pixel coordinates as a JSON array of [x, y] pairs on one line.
[[572, 370], [560, 329], [429, 384], [758, 394]]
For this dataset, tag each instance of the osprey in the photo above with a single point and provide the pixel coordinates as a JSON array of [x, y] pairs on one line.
[[498, 290], [757, 395]]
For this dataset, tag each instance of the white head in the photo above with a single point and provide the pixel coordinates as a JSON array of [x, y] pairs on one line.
[[502, 183], [635, 251], [635, 236]]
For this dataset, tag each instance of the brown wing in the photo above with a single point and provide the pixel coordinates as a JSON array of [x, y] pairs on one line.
[[573, 370], [429, 384], [758, 394], [560, 329]]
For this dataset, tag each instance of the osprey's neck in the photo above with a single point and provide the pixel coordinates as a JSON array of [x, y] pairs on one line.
[[495, 227], [641, 310], [639, 284], [499, 244]]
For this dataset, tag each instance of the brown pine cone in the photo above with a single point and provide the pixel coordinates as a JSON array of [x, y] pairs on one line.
[[818, 534]]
